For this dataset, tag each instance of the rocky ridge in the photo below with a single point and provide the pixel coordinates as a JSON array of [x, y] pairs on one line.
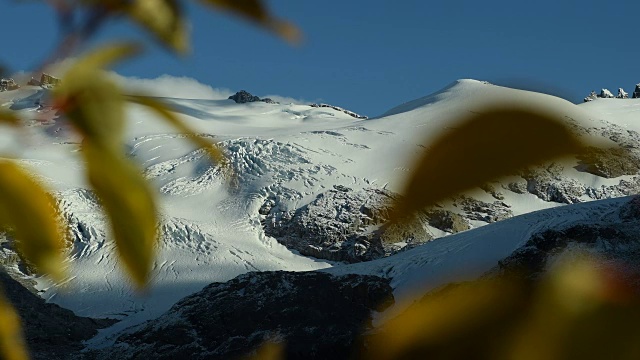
[[606, 94], [51, 332], [313, 315], [350, 113], [309, 312], [346, 225], [243, 97], [613, 235]]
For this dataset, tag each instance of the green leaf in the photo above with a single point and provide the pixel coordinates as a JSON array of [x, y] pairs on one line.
[[480, 149], [165, 112], [12, 344], [129, 204], [255, 11], [30, 212]]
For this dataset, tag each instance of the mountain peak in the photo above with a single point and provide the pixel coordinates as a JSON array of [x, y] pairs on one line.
[[456, 86], [243, 96]]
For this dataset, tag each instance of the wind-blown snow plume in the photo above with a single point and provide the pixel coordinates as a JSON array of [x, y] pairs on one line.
[[172, 86]]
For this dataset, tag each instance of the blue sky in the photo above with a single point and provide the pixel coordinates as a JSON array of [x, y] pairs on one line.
[[369, 56]]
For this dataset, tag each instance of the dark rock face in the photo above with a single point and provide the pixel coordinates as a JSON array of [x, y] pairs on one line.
[[636, 92], [342, 225], [51, 332], [315, 315], [242, 97], [615, 236]]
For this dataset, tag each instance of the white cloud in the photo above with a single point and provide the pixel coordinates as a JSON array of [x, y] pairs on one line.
[[181, 87], [171, 86]]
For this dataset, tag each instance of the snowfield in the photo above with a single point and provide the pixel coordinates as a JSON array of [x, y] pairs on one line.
[[211, 232]]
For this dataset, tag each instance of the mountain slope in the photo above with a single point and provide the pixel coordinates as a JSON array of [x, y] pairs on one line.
[[288, 156]]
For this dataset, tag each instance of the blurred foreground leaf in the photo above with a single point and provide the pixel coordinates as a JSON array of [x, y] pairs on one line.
[[29, 211], [458, 322], [255, 11], [130, 207], [105, 56], [9, 118], [166, 113], [268, 351], [583, 310], [12, 344], [92, 102], [480, 149], [95, 106], [579, 311], [163, 18]]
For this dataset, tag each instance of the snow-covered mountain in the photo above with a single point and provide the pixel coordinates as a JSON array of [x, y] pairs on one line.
[[314, 181]]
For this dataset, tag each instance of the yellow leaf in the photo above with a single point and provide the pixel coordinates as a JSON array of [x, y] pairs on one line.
[[30, 212], [268, 351], [95, 107], [105, 56], [129, 205], [91, 101], [165, 112], [12, 344], [480, 149], [255, 11], [163, 18], [581, 304], [9, 118], [451, 323]]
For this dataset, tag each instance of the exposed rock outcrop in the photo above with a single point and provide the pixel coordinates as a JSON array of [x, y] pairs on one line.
[[622, 94], [314, 315], [343, 225], [489, 188], [605, 93], [616, 237], [448, 221], [475, 209], [51, 332], [609, 163], [242, 97], [591, 97], [8, 84], [549, 185]]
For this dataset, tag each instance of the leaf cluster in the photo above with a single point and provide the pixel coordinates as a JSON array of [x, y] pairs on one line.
[[485, 146], [581, 310], [94, 105]]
